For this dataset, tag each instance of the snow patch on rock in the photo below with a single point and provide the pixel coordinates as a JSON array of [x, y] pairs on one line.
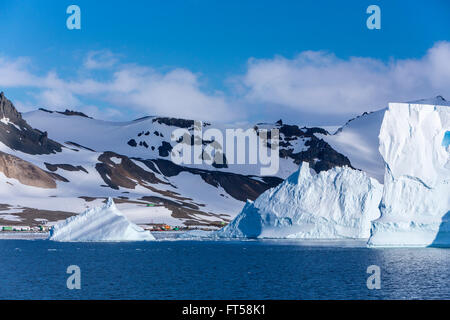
[[105, 223], [335, 204]]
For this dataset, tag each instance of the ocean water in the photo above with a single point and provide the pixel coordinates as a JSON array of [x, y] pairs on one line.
[[36, 269]]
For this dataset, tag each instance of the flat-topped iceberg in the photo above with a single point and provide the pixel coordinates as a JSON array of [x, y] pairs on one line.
[[335, 204], [415, 207], [105, 223]]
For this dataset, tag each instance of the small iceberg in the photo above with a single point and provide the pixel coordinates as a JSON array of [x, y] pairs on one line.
[[105, 223]]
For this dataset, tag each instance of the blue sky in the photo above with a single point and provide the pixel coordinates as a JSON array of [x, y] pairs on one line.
[[224, 60]]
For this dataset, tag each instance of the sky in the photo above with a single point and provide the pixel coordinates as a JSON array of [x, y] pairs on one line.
[[306, 62]]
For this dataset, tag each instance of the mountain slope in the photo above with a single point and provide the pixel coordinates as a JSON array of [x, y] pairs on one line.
[[95, 159], [90, 160], [150, 138]]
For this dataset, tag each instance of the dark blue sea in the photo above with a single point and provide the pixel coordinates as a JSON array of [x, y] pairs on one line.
[[36, 269]]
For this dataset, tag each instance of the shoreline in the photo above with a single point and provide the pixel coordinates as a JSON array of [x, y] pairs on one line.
[[21, 235], [24, 235], [172, 236]]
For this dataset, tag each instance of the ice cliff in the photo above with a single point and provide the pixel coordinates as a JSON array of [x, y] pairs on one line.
[[334, 204], [415, 207], [105, 223]]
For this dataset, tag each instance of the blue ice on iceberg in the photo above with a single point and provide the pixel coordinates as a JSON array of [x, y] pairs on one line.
[[446, 140]]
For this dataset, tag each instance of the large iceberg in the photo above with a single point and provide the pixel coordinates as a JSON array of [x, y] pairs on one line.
[[105, 223], [335, 204], [416, 198]]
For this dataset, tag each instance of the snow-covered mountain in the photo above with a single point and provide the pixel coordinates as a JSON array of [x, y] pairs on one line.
[[72, 162], [358, 140], [334, 204], [55, 164]]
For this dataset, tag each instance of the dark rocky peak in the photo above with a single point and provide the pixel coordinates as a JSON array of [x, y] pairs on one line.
[[292, 131], [318, 153], [17, 134], [142, 118], [67, 112], [180, 123], [8, 111], [45, 110], [313, 130], [352, 119], [437, 100]]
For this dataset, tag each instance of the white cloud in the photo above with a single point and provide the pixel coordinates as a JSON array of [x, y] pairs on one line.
[[175, 93], [319, 82], [312, 82], [103, 113], [102, 59], [14, 73], [55, 99]]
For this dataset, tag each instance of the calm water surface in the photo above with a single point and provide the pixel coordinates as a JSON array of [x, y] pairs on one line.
[[36, 269]]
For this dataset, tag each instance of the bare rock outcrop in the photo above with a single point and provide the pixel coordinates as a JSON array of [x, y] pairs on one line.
[[17, 134], [25, 172]]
